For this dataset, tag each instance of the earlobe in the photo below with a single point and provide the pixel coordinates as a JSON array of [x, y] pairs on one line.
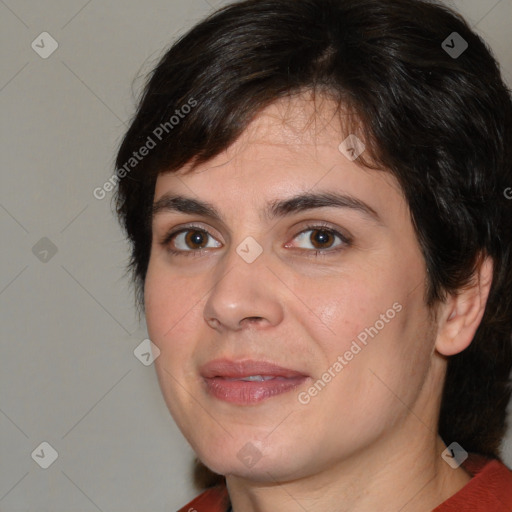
[[462, 313]]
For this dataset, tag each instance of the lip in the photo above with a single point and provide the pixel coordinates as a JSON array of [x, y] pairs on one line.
[[218, 377], [244, 368]]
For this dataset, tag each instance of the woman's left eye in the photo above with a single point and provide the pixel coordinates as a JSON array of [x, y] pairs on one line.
[[321, 239]]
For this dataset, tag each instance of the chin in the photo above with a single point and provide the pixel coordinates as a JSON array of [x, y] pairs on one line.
[[249, 462]]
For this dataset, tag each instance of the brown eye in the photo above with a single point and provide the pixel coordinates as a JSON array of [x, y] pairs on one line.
[[190, 241], [320, 237], [195, 239]]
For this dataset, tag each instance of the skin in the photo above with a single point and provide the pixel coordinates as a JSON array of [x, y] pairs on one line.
[[368, 440]]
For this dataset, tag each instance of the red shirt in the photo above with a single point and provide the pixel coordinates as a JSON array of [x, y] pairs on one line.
[[490, 490]]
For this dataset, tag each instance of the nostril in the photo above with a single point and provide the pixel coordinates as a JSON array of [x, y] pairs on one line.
[[252, 319], [213, 322]]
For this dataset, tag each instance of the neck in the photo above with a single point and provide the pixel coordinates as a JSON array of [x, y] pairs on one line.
[[404, 473]]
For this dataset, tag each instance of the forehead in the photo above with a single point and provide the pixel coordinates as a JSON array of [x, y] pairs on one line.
[[291, 147], [300, 123]]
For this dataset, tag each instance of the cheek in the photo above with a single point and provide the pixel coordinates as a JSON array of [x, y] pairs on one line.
[[169, 299], [171, 303], [374, 322], [335, 311], [173, 313]]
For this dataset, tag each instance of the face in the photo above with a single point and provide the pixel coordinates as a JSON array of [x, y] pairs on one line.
[[323, 295]]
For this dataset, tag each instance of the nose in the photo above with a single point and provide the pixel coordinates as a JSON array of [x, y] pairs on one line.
[[244, 295]]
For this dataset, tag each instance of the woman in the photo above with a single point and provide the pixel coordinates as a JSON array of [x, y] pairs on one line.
[[314, 193]]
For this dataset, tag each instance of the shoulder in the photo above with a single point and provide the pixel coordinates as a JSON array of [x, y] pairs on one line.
[[215, 499], [489, 490]]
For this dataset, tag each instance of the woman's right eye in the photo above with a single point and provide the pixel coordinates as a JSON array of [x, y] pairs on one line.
[[189, 240]]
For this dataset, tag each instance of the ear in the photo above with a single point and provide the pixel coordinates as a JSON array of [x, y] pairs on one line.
[[460, 316]]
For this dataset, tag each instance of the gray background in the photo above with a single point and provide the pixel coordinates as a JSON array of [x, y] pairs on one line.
[[68, 374]]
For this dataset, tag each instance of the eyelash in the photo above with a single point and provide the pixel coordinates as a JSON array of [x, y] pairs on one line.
[[346, 242]]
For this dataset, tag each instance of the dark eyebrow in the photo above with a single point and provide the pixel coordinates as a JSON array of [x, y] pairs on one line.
[[278, 208]]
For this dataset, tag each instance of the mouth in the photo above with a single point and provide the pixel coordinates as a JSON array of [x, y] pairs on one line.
[[248, 382]]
